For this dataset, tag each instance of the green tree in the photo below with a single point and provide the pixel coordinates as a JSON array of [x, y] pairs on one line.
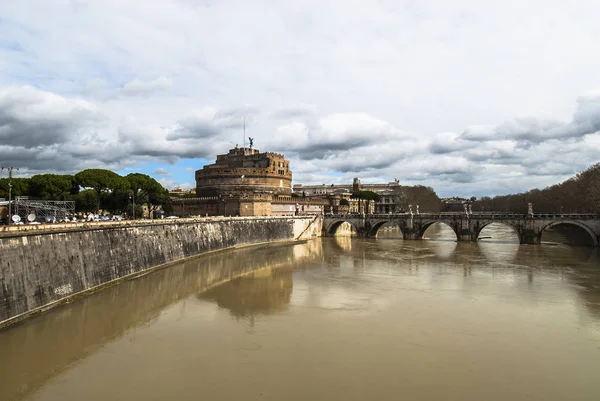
[[146, 189], [117, 201], [579, 194], [20, 187], [366, 196], [165, 200], [86, 201], [51, 186], [100, 180], [167, 204]]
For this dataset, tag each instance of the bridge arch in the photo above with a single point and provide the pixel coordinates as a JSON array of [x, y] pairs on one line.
[[484, 224], [332, 228], [429, 223], [377, 225], [588, 229]]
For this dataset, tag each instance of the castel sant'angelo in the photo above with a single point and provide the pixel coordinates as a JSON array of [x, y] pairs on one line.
[[246, 182], [244, 170]]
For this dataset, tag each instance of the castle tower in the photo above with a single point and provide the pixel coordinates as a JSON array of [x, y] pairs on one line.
[[244, 170]]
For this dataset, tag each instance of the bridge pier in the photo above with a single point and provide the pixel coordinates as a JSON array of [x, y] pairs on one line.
[[410, 235], [530, 237], [465, 237], [464, 229]]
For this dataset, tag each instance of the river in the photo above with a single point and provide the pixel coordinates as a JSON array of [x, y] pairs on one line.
[[333, 318]]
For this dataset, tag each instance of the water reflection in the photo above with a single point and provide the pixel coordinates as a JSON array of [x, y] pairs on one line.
[[378, 317], [265, 291], [443, 249], [42, 347], [499, 252], [343, 242]]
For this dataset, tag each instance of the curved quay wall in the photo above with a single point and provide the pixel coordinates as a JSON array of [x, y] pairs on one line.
[[42, 268]]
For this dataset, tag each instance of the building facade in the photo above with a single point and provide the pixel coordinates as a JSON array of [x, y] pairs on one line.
[[387, 203]]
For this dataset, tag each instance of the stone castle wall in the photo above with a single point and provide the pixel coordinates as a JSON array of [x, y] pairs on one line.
[[186, 207], [252, 207], [247, 205], [289, 209], [253, 179], [232, 173], [243, 170]]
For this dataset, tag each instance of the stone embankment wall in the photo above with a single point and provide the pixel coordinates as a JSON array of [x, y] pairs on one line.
[[44, 267]]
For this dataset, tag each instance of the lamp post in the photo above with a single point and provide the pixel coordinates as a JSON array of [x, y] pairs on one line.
[[10, 171], [132, 197]]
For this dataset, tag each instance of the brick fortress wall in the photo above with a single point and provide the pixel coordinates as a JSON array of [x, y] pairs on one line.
[[245, 169]]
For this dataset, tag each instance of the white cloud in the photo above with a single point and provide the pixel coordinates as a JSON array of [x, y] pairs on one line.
[[301, 111], [171, 184], [463, 96], [138, 87], [331, 134], [161, 171], [32, 118], [100, 89]]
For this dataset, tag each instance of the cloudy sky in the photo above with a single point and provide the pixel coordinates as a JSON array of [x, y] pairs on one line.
[[471, 97]]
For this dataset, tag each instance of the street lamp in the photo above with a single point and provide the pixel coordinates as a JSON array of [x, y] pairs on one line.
[[132, 197], [10, 171]]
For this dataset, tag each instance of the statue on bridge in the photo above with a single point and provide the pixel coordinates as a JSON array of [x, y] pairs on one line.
[[251, 140], [468, 209]]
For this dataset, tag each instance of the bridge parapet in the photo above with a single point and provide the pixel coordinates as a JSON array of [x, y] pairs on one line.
[[481, 215]]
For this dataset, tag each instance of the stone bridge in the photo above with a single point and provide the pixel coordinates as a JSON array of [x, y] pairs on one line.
[[466, 226]]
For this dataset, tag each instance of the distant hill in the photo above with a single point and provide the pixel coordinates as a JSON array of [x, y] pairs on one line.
[[579, 194]]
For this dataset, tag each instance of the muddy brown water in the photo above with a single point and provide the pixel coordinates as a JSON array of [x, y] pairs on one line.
[[342, 318]]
